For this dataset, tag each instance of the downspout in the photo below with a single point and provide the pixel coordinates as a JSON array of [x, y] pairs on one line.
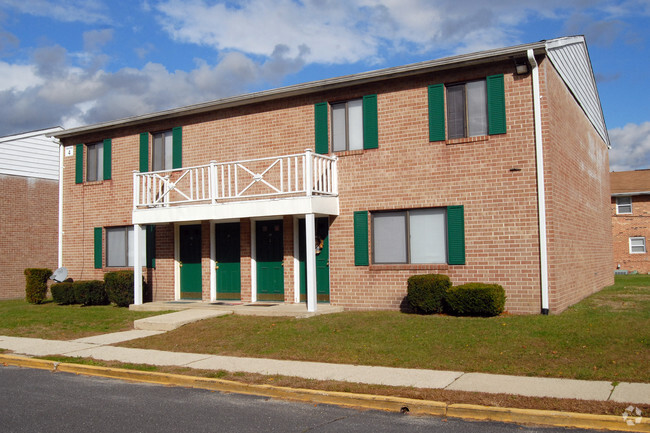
[[60, 253], [541, 196]]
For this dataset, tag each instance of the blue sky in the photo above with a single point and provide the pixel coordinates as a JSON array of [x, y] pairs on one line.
[[78, 62]]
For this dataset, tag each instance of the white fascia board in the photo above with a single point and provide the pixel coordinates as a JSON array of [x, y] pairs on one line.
[[229, 211], [630, 194]]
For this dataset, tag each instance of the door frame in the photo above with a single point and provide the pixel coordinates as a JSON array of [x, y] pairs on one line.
[[177, 255]]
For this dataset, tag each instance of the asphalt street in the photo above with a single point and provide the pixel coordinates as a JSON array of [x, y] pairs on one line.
[[41, 401]]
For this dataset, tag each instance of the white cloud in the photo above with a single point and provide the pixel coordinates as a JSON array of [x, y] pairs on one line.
[[630, 147], [18, 77], [86, 11]]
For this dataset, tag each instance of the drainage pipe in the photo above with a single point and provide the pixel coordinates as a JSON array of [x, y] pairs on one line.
[[541, 196], [60, 252]]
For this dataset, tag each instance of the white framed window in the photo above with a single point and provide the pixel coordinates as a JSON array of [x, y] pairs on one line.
[[95, 162], [623, 205], [637, 245], [347, 125], [410, 236], [119, 246], [162, 154], [467, 113]]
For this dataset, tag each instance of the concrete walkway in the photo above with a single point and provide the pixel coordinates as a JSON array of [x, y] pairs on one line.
[[100, 348]]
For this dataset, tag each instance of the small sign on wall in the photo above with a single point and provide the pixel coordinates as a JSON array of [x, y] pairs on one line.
[[69, 151]]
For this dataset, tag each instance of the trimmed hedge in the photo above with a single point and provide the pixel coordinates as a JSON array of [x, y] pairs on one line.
[[475, 299], [63, 293], [90, 292], [119, 287], [36, 284], [426, 293]]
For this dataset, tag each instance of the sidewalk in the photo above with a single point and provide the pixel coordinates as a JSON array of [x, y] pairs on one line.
[[100, 347]]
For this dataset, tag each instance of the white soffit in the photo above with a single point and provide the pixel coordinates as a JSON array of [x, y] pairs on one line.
[[571, 59]]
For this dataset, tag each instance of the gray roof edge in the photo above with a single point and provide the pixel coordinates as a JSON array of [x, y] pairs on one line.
[[312, 87]]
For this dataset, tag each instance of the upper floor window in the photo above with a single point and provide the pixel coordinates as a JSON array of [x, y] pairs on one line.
[[162, 151], [467, 114], [347, 125], [637, 245], [95, 162], [623, 205]]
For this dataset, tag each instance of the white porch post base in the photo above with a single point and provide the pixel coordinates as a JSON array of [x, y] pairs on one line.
[[137, 265], [310, 240]]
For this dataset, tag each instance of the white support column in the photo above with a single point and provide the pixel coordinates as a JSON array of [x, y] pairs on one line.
[[310, 243], [213, 265], [253, 262], [296, 262], [137, 265]]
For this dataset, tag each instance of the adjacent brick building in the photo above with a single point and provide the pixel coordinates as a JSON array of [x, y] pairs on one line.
[[29, 197], [630, 211], [339, 190]]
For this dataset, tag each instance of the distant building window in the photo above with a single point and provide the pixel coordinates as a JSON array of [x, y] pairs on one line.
[[623, 205], [119, 246], [162, 151], [95, 162], [467, 113], [637, 245], [347, 125]]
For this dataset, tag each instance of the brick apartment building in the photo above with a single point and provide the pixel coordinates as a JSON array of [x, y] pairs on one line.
[[630, 211], [339, 190], [29, 212]]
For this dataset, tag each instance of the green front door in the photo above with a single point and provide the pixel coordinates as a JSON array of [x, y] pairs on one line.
[[227, 261], [269, 251], [322, 260], [190, 261]]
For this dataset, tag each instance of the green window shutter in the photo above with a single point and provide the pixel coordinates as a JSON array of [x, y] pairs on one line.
[[79, 164], [98, 247], [437, 112], [456, 235], [361, 238], [151, 246], [321, 143], [144, 152], [496, 100], [107, 159], [370, 128], [177, 147]]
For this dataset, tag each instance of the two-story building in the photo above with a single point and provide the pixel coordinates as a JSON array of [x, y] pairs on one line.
[[488, 167], [631, 219]]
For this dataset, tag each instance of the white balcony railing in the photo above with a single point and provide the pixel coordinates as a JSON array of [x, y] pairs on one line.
[[304, 174]]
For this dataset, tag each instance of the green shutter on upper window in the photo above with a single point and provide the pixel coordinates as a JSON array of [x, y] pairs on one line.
[[107, 159], [436, 112], [177, 147], [98, 247], [79, 164], [456, 235], [144, 152], [321, 143], [361, 238], [151, 246], [496, 104], [370, 127]]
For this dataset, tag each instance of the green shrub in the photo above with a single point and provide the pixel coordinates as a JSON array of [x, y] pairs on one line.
[[90, 292], [475, 299], [63, 293], [119, 287], [426, 293], [36, 284]]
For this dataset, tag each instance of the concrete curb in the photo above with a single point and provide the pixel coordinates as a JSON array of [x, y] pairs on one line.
[[392, 404]]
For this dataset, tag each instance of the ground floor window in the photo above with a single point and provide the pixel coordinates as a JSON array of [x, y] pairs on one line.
[[637, 245], [119, 246], [410, 236]]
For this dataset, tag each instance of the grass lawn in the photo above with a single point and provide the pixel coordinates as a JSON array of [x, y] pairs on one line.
[[604, 337], [63, 322]]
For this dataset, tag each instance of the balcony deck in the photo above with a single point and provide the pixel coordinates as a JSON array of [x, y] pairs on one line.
[[297, 184]]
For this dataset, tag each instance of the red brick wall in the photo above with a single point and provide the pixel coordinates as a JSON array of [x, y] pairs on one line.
[[28, 230], [626, 226], [407, 171], [577, 197]]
